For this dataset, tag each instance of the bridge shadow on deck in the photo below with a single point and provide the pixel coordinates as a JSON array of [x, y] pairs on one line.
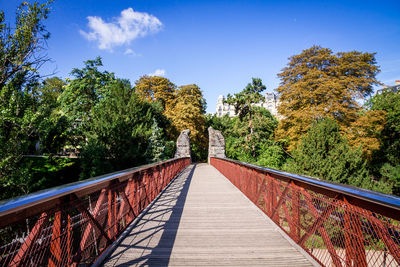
[[151, 242]]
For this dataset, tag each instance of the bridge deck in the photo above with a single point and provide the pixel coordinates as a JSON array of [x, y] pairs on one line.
[[203, 220]]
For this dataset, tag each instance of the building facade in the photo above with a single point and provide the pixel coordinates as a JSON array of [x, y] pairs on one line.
[[387, 88], [271, 103]]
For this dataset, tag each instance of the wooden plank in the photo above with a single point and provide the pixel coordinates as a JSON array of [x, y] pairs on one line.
[[203, 220]]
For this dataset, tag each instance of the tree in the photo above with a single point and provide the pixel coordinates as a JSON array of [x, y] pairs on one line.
[[118, 132], [386, 161], [364, 132], [271, 155], [244, 104], [323, 152], [188, 111], [268, 153], [21, 55], [319, 84], [249, 141], [50, 90], [156, 149], [155, 88], [87, 89], [22, 46]]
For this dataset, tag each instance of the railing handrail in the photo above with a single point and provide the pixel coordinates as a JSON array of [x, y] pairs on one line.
[[42, 197], [352, 191]]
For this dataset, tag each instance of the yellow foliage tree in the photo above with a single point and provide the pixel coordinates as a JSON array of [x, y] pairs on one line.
[[155, 88], [365, 130], [184, 107], [188, 113], [319, 84]]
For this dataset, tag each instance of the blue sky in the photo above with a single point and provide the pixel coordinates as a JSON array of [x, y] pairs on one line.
[[218, 45]]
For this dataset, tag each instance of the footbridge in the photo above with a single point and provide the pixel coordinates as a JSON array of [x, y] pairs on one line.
[[177, 213]]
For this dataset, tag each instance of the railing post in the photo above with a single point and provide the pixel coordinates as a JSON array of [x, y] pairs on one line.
[[110, 212], [69, 240], [115, 208], [296, 211], [270, 196], [55, 245], [137, 194]]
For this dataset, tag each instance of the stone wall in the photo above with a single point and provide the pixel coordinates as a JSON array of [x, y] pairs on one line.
[[216, 144], [183, 145]]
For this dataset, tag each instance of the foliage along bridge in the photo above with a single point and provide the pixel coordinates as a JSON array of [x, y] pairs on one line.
[[222, 213]]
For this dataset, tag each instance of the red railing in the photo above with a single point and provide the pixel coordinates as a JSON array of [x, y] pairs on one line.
[[74, 224], [337, 225]]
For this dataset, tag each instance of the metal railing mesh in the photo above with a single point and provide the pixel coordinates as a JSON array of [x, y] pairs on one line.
[[332, 229], [77, 227]]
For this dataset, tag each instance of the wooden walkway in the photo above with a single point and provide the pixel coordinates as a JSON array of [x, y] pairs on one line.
[[203, 220]]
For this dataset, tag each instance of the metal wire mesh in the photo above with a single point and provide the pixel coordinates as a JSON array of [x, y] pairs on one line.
[[76, 228], [331, 226]]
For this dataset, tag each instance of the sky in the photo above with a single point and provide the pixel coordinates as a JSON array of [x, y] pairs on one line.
[[218, 45]]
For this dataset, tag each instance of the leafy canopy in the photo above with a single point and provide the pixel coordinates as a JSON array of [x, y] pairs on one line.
[[319, 84], [239, 146], [155, 88], [244, 105], [245, 100], [118, 132], [88, 88], [324, 153], [387, 159], [22, 46]]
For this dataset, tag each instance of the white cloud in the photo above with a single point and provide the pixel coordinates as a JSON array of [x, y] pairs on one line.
[[158, 72], [122, 30], [130, 52]]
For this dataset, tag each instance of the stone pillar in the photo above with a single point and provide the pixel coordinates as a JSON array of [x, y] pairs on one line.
[[216, 144], [183, 145]]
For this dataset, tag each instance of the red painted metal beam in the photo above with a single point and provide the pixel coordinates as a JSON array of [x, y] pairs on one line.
[[30, 240]]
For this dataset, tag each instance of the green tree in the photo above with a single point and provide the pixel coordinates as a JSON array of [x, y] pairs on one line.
[[52, 126], [319, 84], [271, 155], [249, 141], [223, 124], [21, 55], [81, 95], [119, 130], [87, 89], [244, 104], [324, 153], [22, 45], [386, 161], [50, 90], [268, 153], [156, 148]]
